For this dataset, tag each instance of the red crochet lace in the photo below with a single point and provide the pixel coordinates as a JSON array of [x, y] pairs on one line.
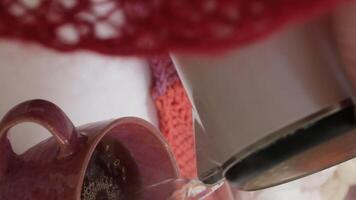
[[149, 26]]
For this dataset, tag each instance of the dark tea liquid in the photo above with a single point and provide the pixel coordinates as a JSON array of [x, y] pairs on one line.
[[111, 174]]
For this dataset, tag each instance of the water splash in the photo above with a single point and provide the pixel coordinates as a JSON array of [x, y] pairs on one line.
[[195, 190]]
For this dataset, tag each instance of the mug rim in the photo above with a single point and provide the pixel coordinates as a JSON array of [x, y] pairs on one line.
[[112, 125]]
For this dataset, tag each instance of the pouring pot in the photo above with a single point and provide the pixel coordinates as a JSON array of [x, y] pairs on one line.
[[271, 112]]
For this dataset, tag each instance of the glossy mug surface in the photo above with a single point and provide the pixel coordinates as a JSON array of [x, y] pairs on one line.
[[117, 159]]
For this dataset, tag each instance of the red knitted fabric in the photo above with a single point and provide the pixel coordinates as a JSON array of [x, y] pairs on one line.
[[175, 114], [149, 26]]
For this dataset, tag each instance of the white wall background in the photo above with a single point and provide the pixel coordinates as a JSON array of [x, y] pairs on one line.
[[87, 86]]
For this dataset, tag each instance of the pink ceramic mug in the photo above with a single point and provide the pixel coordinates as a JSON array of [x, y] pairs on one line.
[[118, 159]]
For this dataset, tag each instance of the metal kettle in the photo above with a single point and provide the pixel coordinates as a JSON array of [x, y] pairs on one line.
[[272, 112]]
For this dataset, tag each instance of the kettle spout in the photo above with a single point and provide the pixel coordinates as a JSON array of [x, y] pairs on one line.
[[208, 167]]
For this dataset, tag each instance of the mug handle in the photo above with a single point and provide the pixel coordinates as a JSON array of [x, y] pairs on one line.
[[49, 116]]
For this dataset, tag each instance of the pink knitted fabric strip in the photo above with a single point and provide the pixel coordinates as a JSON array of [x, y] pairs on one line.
[[175, 114]]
